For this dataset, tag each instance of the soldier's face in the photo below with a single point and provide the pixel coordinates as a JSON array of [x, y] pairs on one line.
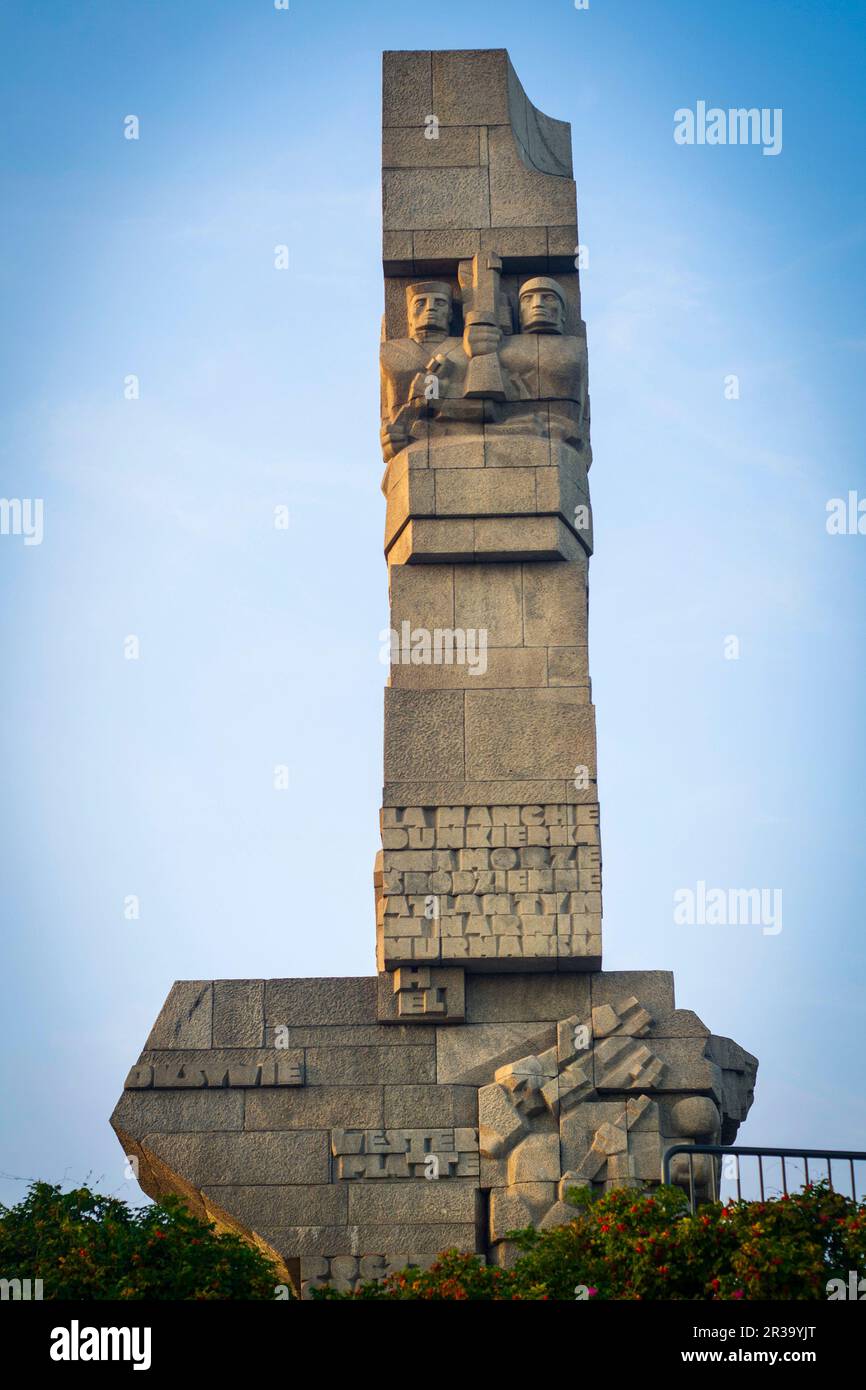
[[431, 311], [541, 312]]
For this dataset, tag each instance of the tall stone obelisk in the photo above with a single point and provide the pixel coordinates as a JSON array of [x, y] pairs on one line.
[[490, 826], [352, 1126]]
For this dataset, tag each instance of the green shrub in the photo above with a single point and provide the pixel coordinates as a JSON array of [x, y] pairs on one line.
[[86, 1246], [629, 1245]]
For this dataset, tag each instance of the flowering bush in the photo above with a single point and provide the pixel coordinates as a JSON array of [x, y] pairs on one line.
[[86, 1246], [630, 1245]]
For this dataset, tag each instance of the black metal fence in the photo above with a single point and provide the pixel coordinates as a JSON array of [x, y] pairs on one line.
[[844, 1158]]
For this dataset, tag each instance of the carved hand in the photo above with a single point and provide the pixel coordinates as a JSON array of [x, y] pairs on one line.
[[479, 339], [394, 437]]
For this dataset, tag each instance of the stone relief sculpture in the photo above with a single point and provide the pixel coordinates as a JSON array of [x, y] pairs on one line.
[[492, 377]]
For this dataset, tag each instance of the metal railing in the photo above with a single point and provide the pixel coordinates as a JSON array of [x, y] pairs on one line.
[[719, 1151]]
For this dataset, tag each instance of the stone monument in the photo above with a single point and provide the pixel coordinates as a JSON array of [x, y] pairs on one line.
[[351, 1126]]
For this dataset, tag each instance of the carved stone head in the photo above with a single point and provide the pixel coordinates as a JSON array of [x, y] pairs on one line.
[[428, 304], [542, 306]]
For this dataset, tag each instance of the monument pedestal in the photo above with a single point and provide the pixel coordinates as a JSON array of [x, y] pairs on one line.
[[307, 1116]]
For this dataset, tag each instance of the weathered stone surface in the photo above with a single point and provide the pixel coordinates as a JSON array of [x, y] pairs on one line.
[[472, 1053], [514, 791], [343, 1066], [536, 1159], [520, 732], [423, 733], [398, 253], [346, 999], [471, 88], [554, 605], [435, 251], [562, 244], [407, 88], [316, 1107], [523, 1204], [370, 1035], [521, 248], [521, 196], [493, 491], [500, 1125], [503, 668], [294, 1241], [489, 597], [525, 538], [291, 1156], [238, 1013], [186, 1017], [559, 1214], [431, 1105], [654, 990], [431, 1202], [409, 148], [425, 1235], [270, 1206], [178, 1112], [217, 1059], [435, 198], [513, 998], [422, 595], [577, 1133], [568, 666]]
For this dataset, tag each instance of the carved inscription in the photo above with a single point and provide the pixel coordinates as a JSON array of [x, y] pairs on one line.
[[346, 1272], [483, 881], [180, 1076], [405, 1153], [418, 995]]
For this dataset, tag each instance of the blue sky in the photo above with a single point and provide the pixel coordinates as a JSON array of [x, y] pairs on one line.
[[260, 647]]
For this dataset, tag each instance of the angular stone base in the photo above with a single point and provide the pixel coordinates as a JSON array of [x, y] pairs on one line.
[[305, 1115]]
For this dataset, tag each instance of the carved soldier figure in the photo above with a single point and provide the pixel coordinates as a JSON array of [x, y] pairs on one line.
[[542, 306], [544, 364], [410, 366]]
